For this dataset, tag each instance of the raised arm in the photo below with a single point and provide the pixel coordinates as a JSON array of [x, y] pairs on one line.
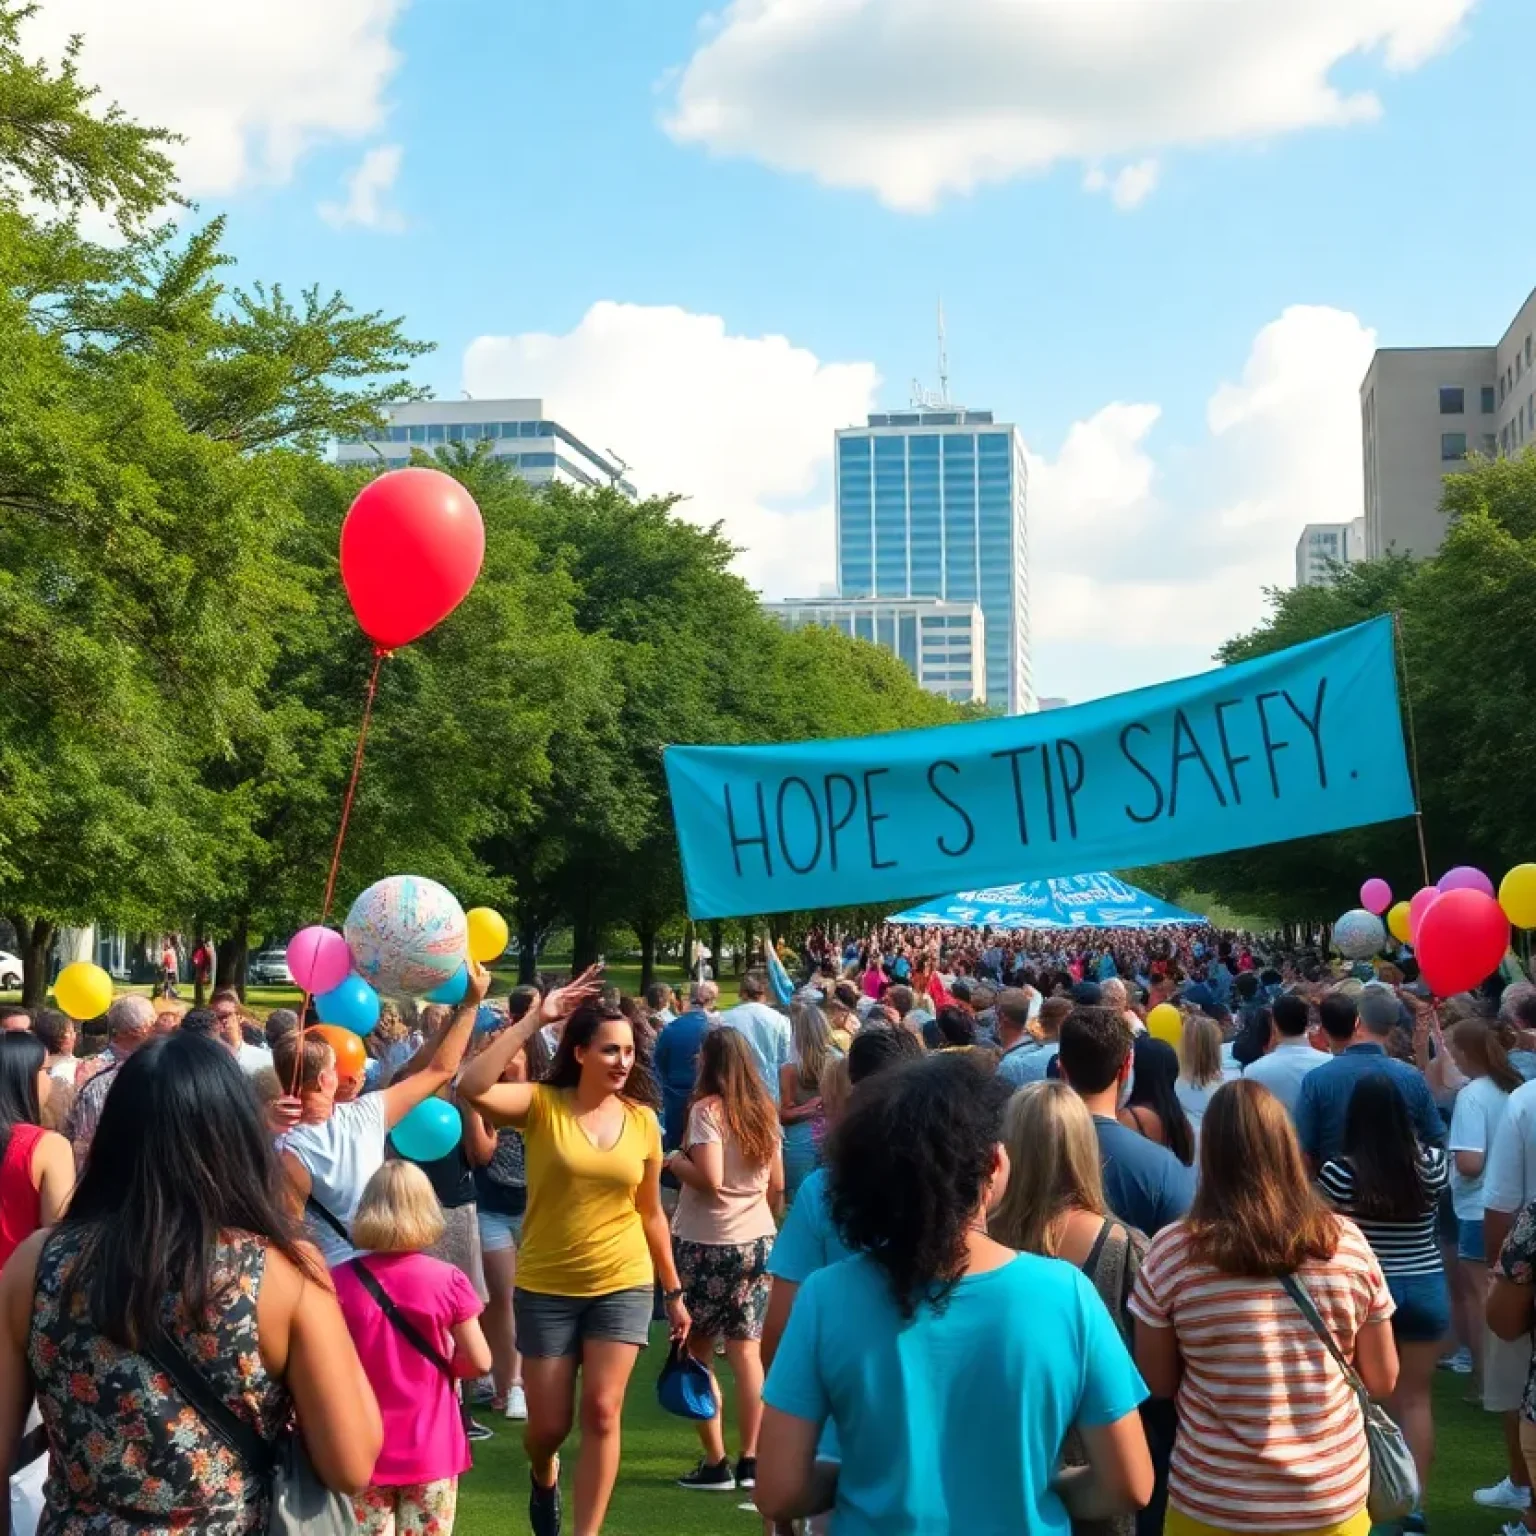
[[404, 1094], [481, 1086]]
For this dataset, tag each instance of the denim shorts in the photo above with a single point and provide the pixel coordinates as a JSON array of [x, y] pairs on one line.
[[551, 1327], [1423, 1313], [498, 1233], [1469, 1241]]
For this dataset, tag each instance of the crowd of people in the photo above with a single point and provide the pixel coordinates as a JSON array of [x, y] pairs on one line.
[[982, 1254]]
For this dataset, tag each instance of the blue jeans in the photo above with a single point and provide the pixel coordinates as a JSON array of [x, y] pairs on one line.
[[1423, 1307], [1469, 1241]]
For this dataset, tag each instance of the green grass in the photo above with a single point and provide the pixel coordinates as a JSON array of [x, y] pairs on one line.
[[658, 1449]]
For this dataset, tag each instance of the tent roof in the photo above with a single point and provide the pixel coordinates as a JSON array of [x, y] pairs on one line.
[[1078, 901]]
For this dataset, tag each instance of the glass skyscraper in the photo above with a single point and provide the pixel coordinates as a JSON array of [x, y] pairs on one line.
[[932, 503]]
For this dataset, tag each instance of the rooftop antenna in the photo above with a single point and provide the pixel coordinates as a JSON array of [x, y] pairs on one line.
[[935, 400]]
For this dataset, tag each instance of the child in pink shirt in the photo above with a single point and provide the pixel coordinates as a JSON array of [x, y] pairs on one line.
[[401, 1307]]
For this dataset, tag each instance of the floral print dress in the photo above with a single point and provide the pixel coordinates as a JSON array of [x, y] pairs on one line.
[[129, 1456]]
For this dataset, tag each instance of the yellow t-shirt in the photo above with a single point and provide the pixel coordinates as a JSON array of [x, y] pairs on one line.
[[582, 1234]]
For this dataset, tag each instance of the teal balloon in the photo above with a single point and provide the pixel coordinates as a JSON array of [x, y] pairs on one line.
[[452, 991], [429, 1132], [353, 1005]]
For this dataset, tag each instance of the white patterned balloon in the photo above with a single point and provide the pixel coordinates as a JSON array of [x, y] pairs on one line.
[[407, 935], [1359, 934]]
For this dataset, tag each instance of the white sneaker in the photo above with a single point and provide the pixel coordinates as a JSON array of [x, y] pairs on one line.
[[1514, 1528], [517, 1403], [1504, 1495]]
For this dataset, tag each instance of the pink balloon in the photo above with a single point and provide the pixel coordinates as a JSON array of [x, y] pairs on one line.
[[1422, 901], [1376, 895], [1465, 878], [319, 960]]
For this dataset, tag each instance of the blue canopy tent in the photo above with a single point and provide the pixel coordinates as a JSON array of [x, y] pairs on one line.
[[1079, 901]]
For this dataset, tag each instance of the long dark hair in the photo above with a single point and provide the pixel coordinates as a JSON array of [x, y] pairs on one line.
[[565, 1070], [728, 1073], [181, 1156], [908, 1167], [1383, 1151], [1157, 1070], [21, 1058]]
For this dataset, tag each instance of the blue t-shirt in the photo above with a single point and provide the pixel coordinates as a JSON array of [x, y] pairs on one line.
[[1323, 1103], [808, 1240], [954, 1420], [1146, 1185], [676, 1062]]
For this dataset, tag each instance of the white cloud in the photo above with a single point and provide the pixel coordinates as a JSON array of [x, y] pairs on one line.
[[1129, 187], [1157, 566], [913, 99], [252, 87], [368, 189], [740, 425]]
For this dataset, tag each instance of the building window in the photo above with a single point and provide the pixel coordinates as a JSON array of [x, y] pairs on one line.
[[1490, 445], [1453, 401], [1488, 405], [1453, 445]]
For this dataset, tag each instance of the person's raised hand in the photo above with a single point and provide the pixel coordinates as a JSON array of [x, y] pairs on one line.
[[479, 985], [565, 1000]]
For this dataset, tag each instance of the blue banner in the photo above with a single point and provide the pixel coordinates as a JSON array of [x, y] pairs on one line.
[[1078, 901], [1307, 740]]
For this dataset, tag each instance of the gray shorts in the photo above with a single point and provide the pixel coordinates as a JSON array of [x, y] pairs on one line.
[[550, 1327]]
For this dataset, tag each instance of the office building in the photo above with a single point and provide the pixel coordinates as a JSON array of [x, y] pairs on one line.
[[943, 644], [1053, 703], [520, 435], [1423, 410], [1321, 545], [931, 502]]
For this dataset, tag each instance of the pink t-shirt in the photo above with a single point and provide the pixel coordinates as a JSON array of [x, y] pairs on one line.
[[424, 1437]]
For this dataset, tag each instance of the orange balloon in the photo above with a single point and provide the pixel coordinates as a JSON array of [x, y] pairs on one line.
[[351, 1058]]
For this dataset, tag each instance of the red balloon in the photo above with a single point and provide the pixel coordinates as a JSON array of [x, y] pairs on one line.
[[411, 548], [1461, 941]]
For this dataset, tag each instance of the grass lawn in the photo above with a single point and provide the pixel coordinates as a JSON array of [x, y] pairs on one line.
[[493, 1499]]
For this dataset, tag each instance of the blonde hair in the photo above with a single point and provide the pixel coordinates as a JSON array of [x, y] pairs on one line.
[[1200, 1050], [1053, 1157], [399, 1212], [835, 1088]]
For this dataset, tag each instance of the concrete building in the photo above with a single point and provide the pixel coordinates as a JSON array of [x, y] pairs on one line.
[[1423, 410], [1053, 703], [942, 644], [931, 502], [1321, 544], [542, 451]]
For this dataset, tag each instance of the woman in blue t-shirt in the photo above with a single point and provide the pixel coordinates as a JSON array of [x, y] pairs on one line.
[[951, 1367]]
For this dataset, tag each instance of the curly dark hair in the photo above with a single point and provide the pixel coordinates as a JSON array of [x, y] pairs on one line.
[[907, 1169], [565, 1070]]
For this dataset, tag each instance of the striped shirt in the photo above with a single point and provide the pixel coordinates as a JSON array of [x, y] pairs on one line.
[[1270, 1435], [1402, 1247]]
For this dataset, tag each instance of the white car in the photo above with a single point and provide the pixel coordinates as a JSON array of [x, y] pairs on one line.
[[10, 972], [269, 969]]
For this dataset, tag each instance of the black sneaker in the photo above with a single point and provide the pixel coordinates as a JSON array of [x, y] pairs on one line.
[[476, 1430], [714, 1478], [746, 1472], [544, 1507]]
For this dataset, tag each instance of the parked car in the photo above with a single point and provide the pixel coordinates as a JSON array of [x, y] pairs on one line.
[[10, 972], [269, 969]]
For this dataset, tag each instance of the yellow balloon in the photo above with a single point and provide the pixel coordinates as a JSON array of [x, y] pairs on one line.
[[1517, 895], [487, 934], [1166, 1023], [83, 990], [1398, 924]]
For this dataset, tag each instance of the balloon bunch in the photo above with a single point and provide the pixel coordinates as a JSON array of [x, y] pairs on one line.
[[1458, 927]]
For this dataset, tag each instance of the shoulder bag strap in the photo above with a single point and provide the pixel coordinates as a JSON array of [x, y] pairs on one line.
[[330, 1218], [166, 1353], [407, 1329], [1299, 1294], [1092, 1261]]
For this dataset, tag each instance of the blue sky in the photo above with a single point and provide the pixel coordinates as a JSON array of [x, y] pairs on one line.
[[1183, 370]]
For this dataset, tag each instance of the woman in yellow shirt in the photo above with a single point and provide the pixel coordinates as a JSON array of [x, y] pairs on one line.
[[595, 1238]]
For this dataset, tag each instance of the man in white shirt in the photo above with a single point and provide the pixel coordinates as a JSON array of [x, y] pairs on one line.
[[765, 1030], [1509, 1184], [1291, 1055]]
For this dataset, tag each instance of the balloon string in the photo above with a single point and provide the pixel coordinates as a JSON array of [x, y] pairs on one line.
[[379, 657]]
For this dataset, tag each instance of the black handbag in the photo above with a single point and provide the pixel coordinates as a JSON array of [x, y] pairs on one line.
[[300, 1504]]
